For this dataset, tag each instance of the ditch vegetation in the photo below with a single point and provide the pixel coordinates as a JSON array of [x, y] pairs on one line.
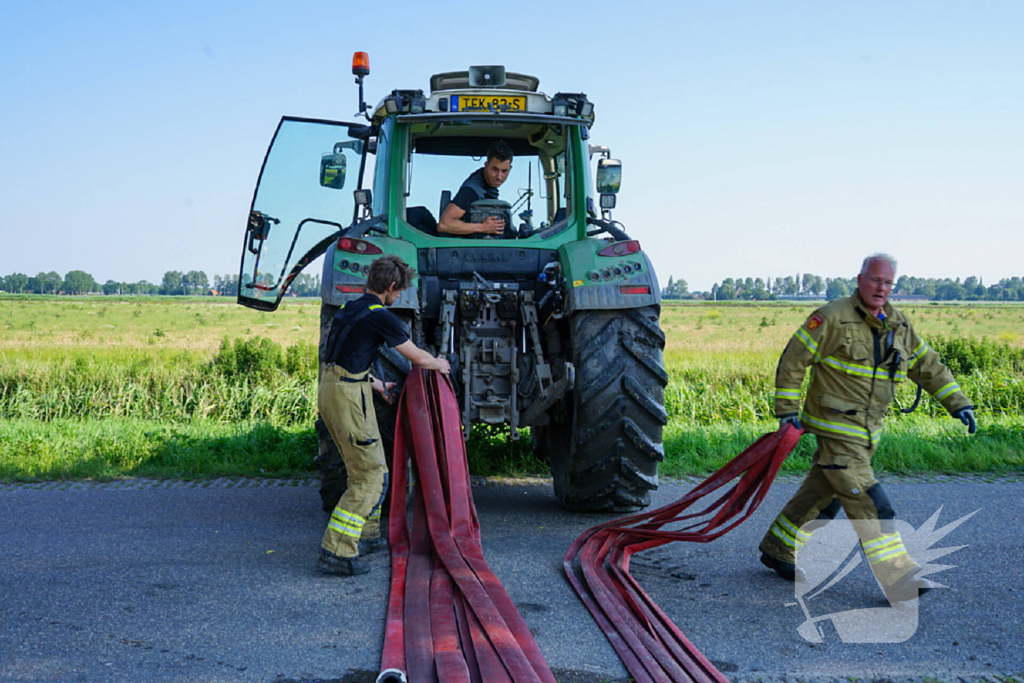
[[193, 403]]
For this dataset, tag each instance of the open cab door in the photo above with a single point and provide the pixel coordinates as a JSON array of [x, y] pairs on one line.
[[303, 201]]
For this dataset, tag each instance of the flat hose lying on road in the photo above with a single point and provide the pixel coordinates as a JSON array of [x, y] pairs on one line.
[[449, 618], [651, 646]]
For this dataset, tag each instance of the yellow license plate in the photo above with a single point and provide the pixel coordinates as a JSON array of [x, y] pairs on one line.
[[488, 103]]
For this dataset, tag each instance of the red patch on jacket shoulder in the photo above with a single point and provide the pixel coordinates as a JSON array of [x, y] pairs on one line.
[[814, 323]]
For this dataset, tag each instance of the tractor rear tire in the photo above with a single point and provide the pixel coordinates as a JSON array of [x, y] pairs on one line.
[[333, 476], [394, 367], [607, 457]]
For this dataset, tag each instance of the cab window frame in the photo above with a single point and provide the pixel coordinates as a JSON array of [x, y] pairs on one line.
[[567, 182]]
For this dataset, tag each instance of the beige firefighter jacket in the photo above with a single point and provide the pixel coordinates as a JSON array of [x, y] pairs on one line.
[[854, 369]]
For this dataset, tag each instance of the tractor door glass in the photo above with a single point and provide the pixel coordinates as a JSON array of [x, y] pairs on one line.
[[380, 180], [303, 198]]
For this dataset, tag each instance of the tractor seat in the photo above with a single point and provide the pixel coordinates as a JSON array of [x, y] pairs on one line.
[[420, 218]]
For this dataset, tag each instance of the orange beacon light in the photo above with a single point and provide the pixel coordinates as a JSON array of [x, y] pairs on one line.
[[360, 64]]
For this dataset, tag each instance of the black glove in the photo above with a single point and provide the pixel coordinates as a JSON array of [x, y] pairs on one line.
[[790, 420], [966, 415]]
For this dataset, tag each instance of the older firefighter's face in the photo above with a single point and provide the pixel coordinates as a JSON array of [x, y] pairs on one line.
[[875, 284]]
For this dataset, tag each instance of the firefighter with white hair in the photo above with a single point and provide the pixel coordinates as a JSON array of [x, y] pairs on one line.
[[859, 349]]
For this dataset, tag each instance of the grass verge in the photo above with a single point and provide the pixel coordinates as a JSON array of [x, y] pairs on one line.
[[908, 446], [115, 448], [122, 447]]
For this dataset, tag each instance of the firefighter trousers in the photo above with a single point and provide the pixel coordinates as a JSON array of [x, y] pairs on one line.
[[841, 476], [345, 401]]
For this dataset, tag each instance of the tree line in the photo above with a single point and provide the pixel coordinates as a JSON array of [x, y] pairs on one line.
[[814, 286], [174, 283], [196, 283]]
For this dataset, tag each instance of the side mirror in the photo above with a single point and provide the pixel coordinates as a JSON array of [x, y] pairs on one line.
[[332, 171], [332, 166], [609, 176]]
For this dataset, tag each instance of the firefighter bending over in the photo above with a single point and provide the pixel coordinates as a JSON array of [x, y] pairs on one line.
[[860, 348], [346, 405]]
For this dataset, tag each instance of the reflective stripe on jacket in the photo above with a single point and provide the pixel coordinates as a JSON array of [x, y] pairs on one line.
[[855, 364]]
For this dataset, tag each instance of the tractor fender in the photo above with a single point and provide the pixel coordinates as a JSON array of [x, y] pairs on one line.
[[334, 282], [581, 264]]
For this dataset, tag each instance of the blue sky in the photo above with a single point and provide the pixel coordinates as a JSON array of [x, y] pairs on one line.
[[757, 138]]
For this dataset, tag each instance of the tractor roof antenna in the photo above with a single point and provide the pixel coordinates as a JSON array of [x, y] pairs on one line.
[[361, 68]]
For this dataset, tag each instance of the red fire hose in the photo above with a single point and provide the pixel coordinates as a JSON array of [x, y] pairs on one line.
[[449, 618], [651, 646]]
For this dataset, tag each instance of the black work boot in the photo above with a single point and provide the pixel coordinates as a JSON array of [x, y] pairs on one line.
[[329, 563], [790, 572], [372, 545], [908, 587]]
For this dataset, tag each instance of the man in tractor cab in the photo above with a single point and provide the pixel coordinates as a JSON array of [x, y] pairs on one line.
[[483, 183], [345, 401]]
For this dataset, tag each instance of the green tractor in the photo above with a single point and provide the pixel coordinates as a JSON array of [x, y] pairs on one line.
[[552, 325]]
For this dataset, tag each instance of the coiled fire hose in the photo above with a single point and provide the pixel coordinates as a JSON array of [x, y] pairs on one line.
[[650, 645]]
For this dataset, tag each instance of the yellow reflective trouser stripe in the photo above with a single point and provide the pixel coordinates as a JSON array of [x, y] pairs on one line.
[[921, 349], [806, 340], [784, 530], [346, 523], [861, 370], [884, 548], [788, 394], [801, 536], [896, 552], [838, 428], [947, 390], [784, 537], [375, 514]]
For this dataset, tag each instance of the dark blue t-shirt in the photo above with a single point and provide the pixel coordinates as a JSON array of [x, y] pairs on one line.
[[360, 346], [474, 189]]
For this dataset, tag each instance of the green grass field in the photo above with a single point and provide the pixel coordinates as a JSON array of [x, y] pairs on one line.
[[198, 387]]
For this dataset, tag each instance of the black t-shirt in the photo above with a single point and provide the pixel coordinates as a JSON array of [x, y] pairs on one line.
[[365, 338], [474, 189]]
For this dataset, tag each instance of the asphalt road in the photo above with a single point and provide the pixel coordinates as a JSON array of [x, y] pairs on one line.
[[186, 583]]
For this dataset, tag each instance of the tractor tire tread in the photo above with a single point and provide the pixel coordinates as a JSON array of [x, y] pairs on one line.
[[614, 443]]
